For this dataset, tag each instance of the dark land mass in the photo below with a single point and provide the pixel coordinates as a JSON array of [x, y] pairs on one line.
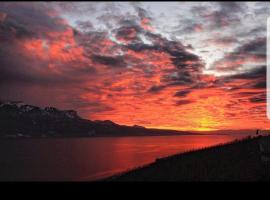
[[236, 161], [19, 120]]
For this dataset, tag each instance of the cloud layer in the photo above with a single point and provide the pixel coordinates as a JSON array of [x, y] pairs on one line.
[[173, 65]]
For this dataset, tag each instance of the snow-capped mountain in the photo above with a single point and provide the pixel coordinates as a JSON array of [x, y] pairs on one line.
[[21, 108], [22, 120]]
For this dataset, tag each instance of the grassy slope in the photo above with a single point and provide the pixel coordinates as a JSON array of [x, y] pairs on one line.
[[237, 161]]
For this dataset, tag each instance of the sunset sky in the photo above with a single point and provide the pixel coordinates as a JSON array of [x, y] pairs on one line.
[[176, 65]]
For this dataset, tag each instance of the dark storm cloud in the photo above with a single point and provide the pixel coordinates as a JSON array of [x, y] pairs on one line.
[[173, 83], [142, 13], [139, 47], [244, 94], [247, 63], [25, 70], [131, 26], [183, 102], [128, 33], [224, 41], [129, 22], [253, 51], [10, 30], [258, 99], [25, 23], [156, 88], [181, 78], [33, 19], [258, 72], [253, 84], [252, 79], [109, 61], [180, 57], [145, 18], [227, 13], [183, 75], [255, 47], [254, 96], [187, 65], [182, 93], [20, 69], [259, 85]]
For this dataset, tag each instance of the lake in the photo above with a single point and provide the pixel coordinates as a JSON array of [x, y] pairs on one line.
[[88, 159]]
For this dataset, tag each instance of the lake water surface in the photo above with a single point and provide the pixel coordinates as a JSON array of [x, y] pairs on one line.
[[89, 159]]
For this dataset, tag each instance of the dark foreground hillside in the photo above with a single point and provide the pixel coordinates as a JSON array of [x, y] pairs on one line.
[[237, 161]]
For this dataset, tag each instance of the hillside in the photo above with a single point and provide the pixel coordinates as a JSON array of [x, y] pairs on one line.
[[236, 161]]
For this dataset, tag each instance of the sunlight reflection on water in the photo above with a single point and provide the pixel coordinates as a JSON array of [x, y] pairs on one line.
[[91, 158]]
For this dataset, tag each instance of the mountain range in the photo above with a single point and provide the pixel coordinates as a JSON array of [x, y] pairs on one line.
[[20, 120]]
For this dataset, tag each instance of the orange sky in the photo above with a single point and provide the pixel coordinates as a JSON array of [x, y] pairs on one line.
[[132, 73]]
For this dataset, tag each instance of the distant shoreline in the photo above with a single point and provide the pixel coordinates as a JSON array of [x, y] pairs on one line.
[[111, 136]]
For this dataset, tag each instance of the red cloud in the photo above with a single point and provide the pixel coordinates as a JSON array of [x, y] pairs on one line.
[[159, 84]]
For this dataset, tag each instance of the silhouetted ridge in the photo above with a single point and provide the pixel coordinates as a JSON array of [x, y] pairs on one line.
[[22, 120]]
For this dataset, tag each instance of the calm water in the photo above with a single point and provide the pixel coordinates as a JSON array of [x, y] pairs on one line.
[[90, 159]]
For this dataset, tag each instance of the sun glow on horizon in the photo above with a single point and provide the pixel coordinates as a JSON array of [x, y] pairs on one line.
[[146, 64]]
